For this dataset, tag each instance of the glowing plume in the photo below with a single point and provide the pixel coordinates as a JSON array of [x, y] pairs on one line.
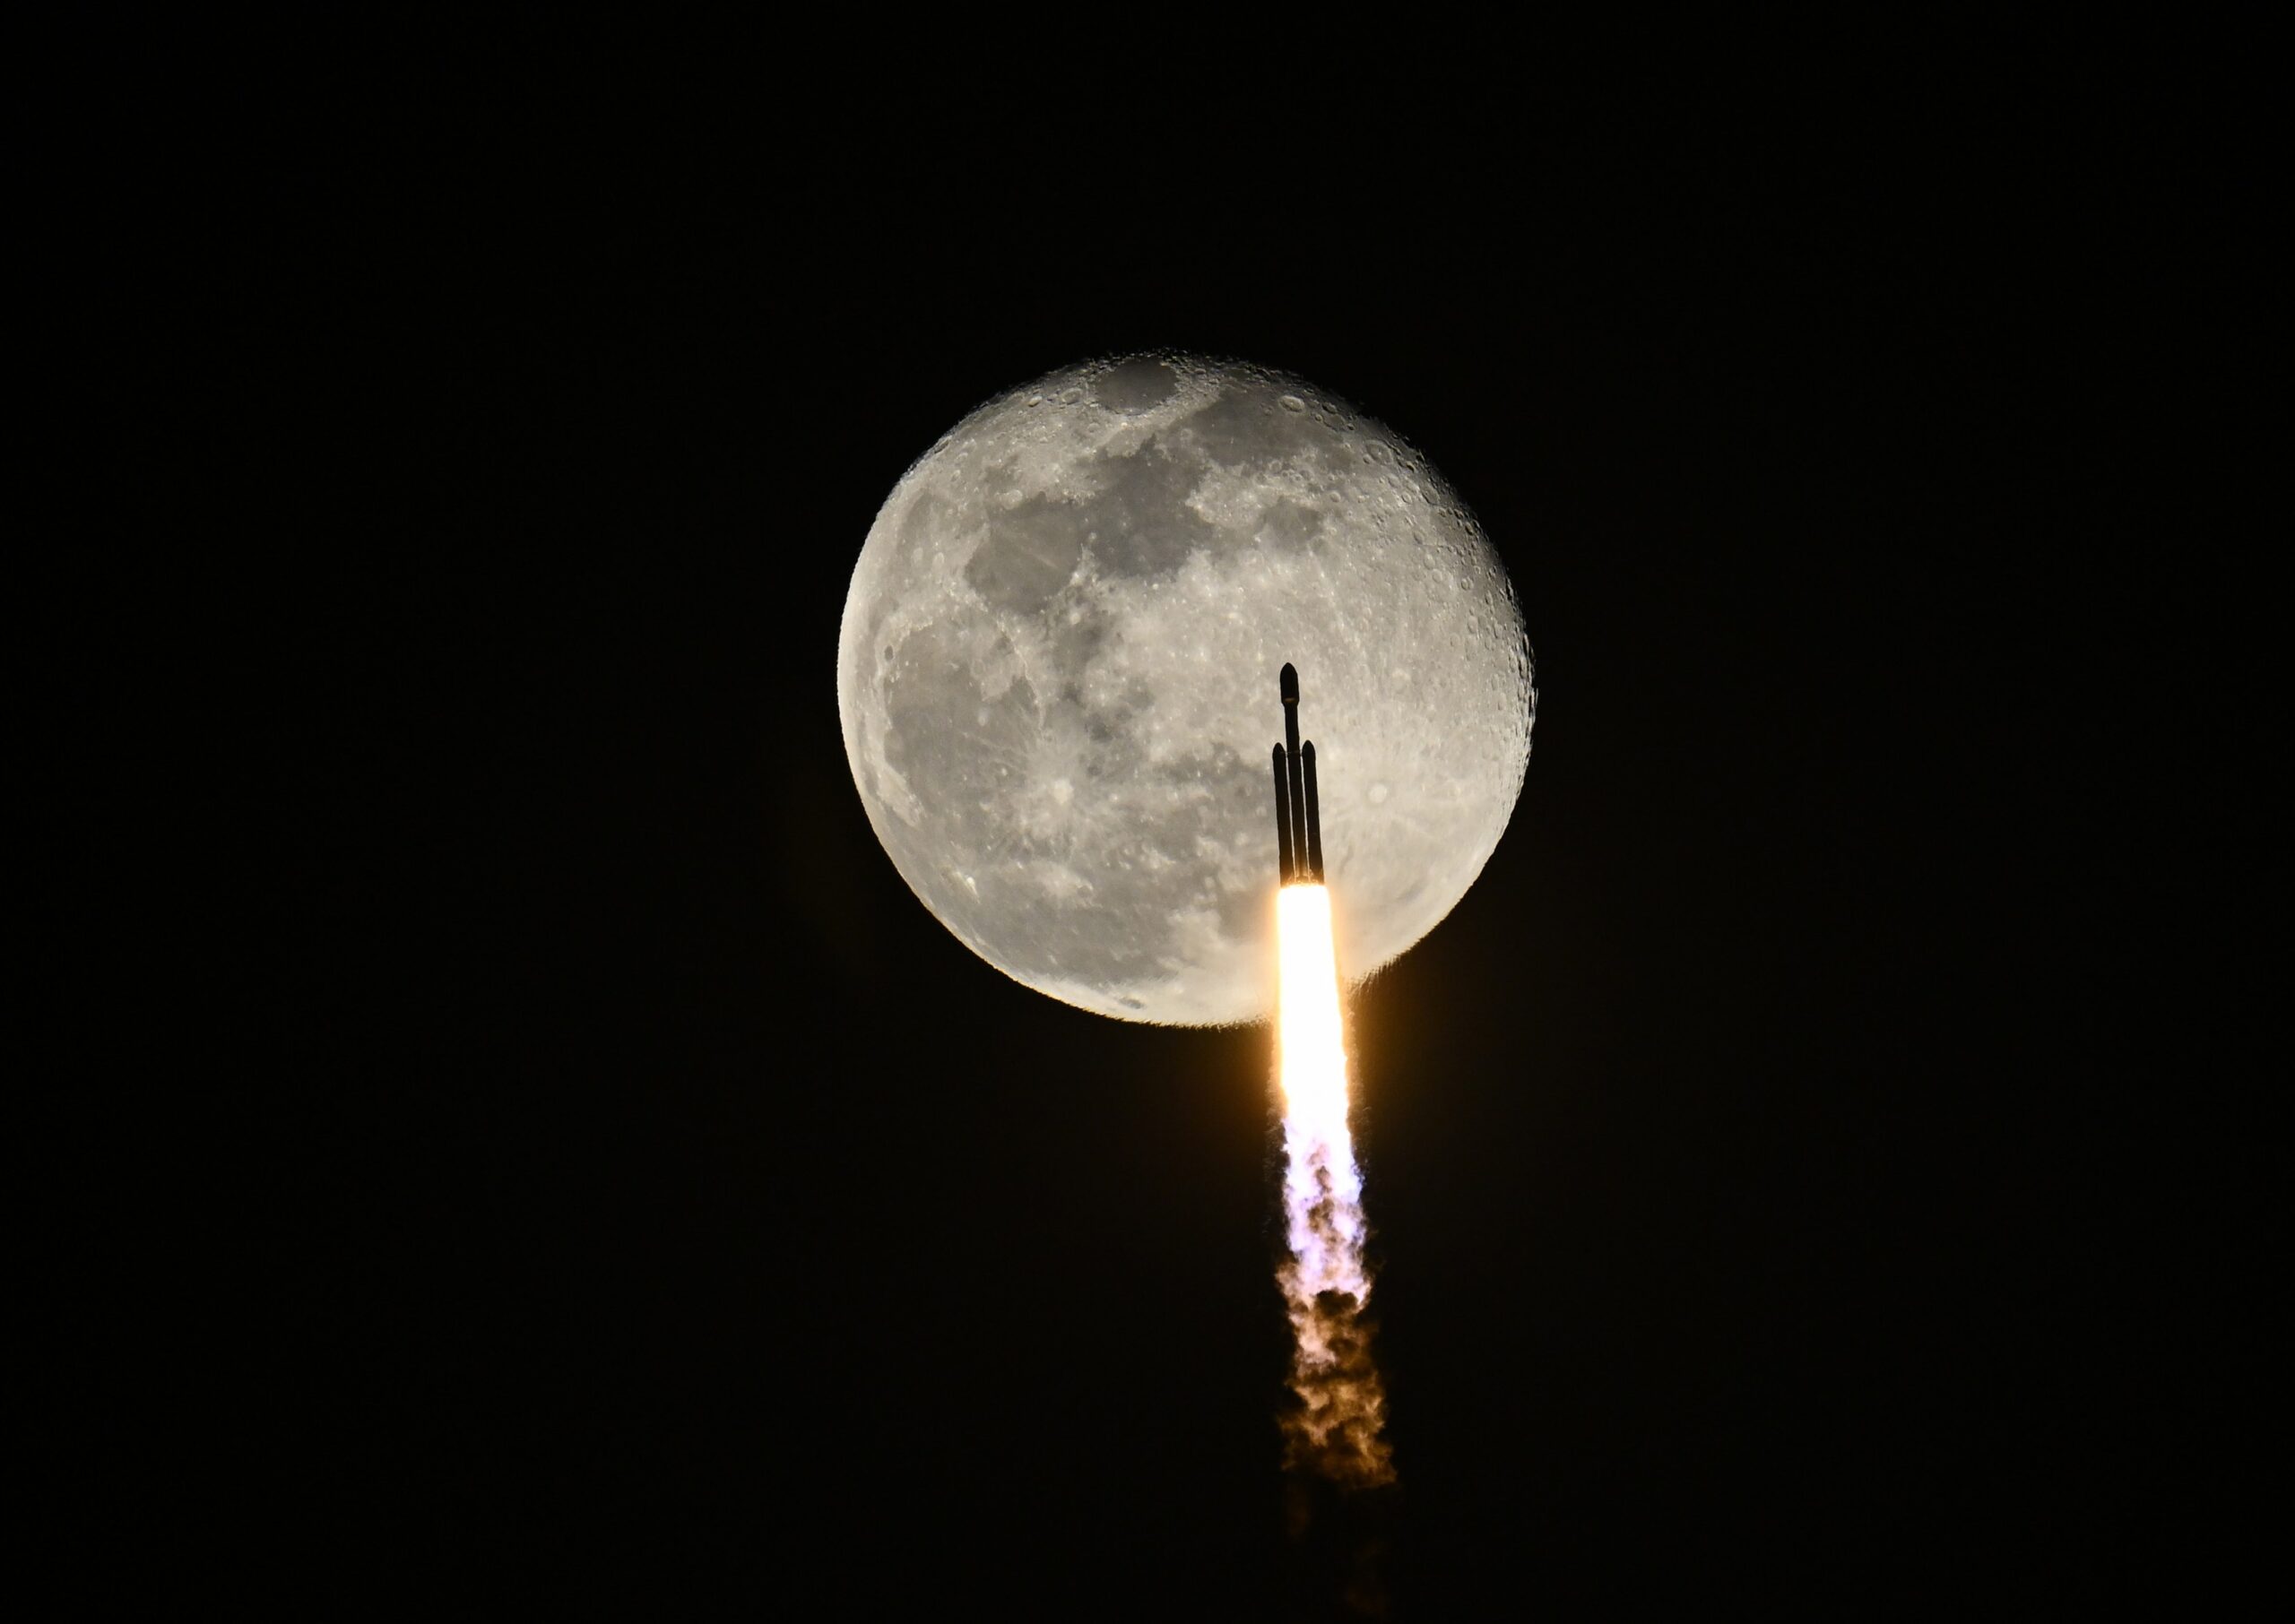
[[1337, 1430]]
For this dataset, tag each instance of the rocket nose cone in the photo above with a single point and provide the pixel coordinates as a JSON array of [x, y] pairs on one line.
[[1290, 684]]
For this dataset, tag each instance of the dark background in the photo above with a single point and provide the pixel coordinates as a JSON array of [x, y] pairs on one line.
[[1786, 1163]]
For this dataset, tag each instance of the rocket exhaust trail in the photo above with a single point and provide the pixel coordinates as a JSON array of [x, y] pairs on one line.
[[1335, 1430]]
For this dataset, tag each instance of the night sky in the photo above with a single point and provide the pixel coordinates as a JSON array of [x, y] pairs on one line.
[[637, 1200]]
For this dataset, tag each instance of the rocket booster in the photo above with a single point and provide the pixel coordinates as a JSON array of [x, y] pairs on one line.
[[1298, 820]]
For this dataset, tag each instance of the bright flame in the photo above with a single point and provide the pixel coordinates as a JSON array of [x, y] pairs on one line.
[[1324, 1283]]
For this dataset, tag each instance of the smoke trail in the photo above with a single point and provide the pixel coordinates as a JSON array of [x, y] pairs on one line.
[[1334, 1430]]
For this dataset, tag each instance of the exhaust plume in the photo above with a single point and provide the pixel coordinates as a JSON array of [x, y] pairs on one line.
[[1336, 1430]]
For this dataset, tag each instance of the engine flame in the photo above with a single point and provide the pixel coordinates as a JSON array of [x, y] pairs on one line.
[[1337, 1430]]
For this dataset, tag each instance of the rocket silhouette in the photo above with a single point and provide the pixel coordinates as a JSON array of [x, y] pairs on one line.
[[1298, 820]]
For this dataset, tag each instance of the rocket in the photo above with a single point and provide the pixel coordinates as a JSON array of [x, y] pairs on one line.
[[1298, 821]]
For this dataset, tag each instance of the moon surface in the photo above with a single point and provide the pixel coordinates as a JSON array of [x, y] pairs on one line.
[[1056, 676]]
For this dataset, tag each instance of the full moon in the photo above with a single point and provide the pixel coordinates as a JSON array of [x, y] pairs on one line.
[[1057, 680]]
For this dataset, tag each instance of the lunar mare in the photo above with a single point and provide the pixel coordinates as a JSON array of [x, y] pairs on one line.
[[1056, 677]]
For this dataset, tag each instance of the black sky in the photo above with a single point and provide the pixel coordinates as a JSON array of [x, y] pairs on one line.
[[633, 1194]]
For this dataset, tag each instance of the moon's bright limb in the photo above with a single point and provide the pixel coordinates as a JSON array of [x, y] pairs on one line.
[[1057, 668]]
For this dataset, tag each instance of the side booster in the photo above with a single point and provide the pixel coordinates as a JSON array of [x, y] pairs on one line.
[[1298, 821]]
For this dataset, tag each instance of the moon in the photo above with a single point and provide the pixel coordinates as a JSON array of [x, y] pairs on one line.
[[1057, 679]]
